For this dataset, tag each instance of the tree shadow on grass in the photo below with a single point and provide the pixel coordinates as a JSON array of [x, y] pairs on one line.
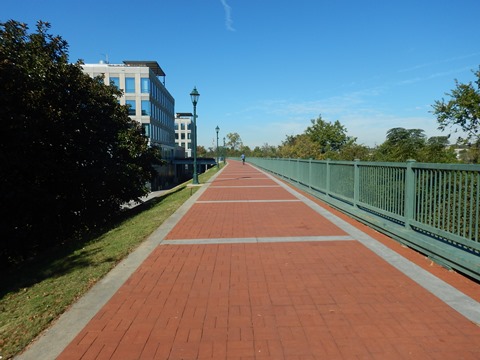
[[72, 254]]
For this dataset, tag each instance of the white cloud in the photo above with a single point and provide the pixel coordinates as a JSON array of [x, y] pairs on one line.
[[228, 15], [438, 62], [360, 112]]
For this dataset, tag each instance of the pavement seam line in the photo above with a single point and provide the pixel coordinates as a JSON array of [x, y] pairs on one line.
[[245, 201], [256, 240]]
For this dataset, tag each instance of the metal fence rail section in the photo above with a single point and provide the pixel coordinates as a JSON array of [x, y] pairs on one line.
[[434, 208]]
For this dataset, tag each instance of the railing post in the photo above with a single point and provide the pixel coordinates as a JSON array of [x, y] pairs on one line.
[[409, 192], [310, 176], [327, 182], [356, 182], [298, 170]]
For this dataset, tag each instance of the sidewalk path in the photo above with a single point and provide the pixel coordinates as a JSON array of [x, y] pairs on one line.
[[252, 269]]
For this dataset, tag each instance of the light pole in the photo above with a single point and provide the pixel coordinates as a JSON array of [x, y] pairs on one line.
[[217, 129], [194, 95], [223, 152]]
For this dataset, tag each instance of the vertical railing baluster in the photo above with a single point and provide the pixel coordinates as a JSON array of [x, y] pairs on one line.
[[409, 192], [356, 182]]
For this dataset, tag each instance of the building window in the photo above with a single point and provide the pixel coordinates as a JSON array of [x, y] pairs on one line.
[[131, 107], [129, 85], [115, 81], [145, 107], [146, 129], [145, 85]]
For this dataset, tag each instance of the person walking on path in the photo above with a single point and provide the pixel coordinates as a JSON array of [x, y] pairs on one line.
[[243, 159]]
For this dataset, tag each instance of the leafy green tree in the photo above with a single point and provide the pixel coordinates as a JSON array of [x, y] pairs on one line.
[[244, 149], [300, 146], [462, 112], [328, 136], [257, 152], [468, 153], [234, 141], [201, 151], [401, 144], [352, 151], [69, 153], [437, 150], [321, 140], [268, 151]]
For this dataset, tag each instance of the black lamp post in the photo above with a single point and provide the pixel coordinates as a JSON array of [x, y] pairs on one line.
[[224, 152], [217, 129], [194, 95]]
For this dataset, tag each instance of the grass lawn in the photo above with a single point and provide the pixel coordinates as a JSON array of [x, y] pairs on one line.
[[35, 295]]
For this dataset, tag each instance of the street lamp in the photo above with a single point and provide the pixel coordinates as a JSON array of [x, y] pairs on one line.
[[194, 95], [217, 129], [223, 152]]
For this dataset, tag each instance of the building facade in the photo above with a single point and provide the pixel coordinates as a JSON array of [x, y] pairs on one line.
[[150, 103], [148, 99], [183, 132]]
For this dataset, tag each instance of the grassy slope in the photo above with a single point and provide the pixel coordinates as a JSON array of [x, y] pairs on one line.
[[34, 296]]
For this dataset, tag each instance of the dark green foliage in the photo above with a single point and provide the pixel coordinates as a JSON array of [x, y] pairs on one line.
[[401, 145], [438, 150], [323, 140], [462, 112], [330, 137], [69, 153]]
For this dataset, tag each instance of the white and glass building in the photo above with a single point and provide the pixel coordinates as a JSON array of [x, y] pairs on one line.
[[149, 101], [183, 132]]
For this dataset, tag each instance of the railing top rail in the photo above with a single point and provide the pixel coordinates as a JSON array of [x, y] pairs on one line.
[[461, 167], [417, 165]]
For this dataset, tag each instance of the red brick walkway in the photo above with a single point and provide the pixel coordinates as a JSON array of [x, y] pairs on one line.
[[277, 281]]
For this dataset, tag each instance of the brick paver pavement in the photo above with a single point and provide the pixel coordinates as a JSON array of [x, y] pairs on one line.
[[253, 271]]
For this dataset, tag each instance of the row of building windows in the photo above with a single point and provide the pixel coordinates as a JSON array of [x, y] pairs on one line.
[[159, 107], [130, 84], [148, 100], [156, 134], [148, 109], [145, 86], [145, 107], [185, 145], [183, 126], [182, 136]]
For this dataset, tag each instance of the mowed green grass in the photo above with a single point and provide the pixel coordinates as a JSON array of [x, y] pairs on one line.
[[35, 295]]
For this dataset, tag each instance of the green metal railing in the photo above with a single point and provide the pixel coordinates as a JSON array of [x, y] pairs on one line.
[[434, 208]]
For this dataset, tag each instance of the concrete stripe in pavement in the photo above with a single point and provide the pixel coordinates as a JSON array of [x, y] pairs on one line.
[[256, 240], [244, 201]]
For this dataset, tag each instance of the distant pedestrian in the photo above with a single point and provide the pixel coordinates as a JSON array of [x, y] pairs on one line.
[[243, 158]]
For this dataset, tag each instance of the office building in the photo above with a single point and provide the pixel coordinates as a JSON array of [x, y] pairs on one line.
[[150, 102], [183, 132]]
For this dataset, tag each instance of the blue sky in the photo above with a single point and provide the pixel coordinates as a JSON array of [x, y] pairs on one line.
[[265, 68]]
